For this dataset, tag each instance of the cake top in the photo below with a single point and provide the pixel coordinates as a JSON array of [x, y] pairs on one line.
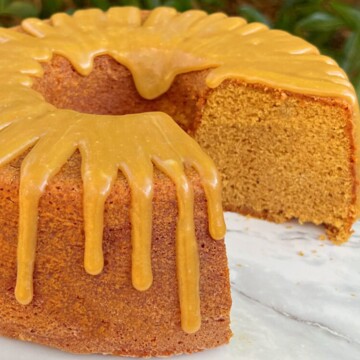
[[166, 43], [155, 47]]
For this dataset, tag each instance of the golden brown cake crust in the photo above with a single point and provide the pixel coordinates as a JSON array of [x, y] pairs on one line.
[[109, 89], [76, 312], [80, 313], [238, 108]]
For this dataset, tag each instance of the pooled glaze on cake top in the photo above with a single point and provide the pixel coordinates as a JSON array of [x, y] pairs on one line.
[[167, 43], [155, 50]]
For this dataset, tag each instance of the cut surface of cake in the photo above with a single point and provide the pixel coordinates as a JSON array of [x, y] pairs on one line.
[[113, 256], [282, 155]]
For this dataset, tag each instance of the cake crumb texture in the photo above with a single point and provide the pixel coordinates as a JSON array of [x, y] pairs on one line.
[[281, 155]]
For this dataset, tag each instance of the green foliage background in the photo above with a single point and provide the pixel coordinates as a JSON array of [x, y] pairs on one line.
[[332, 25]]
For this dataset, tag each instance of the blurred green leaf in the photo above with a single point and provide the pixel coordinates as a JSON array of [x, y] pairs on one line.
[[151, 4], [320, 22], [50, 7], [252, 14], [4, 4], [101, 4], [351, 63], [349, 14], [70, 11], [21, 9], [352, 50], [179, 5], [130, 3], [292, 11], [79, 3]]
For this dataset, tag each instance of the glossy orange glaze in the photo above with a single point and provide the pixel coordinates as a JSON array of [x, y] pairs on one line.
[[155, 51]]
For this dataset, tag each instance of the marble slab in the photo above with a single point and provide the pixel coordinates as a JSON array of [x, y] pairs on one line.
[[294, 297]]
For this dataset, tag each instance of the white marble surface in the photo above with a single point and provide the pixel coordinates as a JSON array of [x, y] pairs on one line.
[[294, 297]]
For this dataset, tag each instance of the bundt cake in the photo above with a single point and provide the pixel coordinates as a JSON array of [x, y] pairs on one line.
[[87, 95]]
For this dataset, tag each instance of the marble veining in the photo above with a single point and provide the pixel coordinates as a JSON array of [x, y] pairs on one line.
[[294, 297]]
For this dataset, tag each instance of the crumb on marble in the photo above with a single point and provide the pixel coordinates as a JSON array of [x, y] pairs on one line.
[[300, 253]]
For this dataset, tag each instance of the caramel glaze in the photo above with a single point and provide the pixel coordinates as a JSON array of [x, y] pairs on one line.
[[155, 50]]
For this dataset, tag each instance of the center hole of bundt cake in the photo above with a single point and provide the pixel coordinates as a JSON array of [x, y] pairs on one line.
[[109, 90]]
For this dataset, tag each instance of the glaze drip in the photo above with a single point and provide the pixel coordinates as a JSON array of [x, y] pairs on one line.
[[131, 143], [167, 43], [155, 50]]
